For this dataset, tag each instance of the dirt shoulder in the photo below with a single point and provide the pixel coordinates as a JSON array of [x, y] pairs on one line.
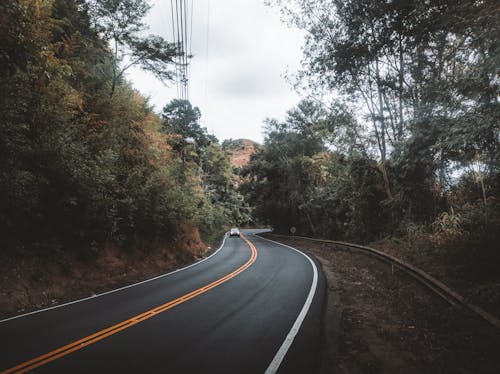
[[389, 323], [460, 268], [30, 282]]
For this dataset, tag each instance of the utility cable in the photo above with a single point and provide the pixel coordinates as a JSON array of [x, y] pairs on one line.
[[182, 33]]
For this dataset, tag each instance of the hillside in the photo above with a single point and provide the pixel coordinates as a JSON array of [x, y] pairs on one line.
[[240, 151], [93, 181]]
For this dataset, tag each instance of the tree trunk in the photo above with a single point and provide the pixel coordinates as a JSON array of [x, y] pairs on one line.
[[381, 111], [485, 201], [400, 93], [387, 187], [382, 165], [115, 67]]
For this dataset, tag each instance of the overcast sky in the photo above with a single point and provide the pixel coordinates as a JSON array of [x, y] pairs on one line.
[[237, 81]]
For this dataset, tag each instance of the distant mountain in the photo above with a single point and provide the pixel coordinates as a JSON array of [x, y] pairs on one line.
[[240, 150]]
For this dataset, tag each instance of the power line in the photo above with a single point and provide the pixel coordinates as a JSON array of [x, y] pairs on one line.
[[174, 40], [190, 43], [182, 21], [183, 47], [207, 39]]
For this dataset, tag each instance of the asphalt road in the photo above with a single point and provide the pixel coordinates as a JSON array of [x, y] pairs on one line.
[[242, 310]]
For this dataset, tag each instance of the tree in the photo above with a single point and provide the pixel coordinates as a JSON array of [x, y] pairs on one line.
[[120, 22], [181, 119], [79, 168], [417, 69], [284, 175]]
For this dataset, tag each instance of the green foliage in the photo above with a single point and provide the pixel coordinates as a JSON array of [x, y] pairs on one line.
[[423, 73], [181, 119], [121, 23], [79, 167], [295, 181], [222, 204], [303, 179], [421, 156]]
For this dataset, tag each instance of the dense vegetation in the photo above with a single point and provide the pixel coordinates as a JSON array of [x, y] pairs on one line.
[[402, 134], [401, 137], [83, 158]]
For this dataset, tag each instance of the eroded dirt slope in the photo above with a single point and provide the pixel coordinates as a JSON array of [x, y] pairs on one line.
[[31, 282]]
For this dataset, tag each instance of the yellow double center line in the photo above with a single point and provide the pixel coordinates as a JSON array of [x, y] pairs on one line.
[[79, 344]]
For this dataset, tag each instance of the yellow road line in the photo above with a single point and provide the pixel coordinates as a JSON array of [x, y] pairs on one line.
[[79, 344]]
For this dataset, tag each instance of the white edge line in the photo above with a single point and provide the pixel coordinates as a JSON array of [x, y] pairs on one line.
[[117, 289], [280, 355]]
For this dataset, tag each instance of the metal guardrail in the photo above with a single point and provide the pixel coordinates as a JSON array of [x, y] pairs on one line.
[[422, 277]]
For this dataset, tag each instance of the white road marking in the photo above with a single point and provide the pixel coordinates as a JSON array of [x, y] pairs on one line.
[[117, 289], [280, 355]]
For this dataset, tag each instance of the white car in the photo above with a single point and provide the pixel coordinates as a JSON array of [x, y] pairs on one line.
[[234, 232]]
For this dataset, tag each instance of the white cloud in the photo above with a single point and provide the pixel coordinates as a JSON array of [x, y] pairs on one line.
[[238, 81]]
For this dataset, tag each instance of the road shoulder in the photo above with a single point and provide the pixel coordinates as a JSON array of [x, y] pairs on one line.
[[389, 323]]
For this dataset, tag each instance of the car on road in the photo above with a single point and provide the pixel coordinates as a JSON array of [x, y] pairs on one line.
[[234, 232]]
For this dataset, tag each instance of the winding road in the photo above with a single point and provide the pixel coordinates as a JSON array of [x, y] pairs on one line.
[[254, 306]]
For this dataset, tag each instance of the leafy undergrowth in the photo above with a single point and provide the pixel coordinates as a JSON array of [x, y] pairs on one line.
[[31, 282], [391, 324]]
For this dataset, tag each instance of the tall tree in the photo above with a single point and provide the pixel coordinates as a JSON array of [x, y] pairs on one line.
[[79, 168], [181, 119], [121, 22], [421, 70]]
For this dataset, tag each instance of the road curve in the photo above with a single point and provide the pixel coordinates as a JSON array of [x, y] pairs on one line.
[[252, 307]]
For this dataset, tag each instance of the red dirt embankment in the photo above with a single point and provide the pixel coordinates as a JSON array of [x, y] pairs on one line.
[[31, 282]]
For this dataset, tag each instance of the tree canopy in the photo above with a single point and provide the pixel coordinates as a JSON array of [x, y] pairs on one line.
[[80, 168], [120, 22], [401, 127]]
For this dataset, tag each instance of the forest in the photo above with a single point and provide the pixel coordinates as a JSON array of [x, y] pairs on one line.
[[399, 134], [84, 159]]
